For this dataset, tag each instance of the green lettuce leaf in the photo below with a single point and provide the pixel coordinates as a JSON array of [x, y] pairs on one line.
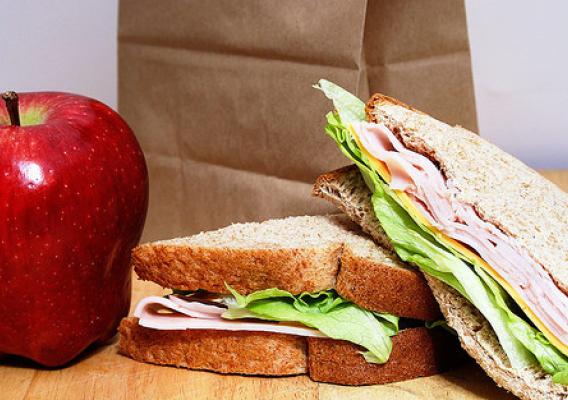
[[440, 324], [349, 107], [561, 377], [418, 247], [415, 243], [325, 311], [550, 358]]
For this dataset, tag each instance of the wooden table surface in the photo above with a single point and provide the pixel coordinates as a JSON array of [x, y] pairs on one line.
[[103, 374]]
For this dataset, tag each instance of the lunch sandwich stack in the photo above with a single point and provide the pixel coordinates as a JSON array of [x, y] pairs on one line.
[[455, 225], [301, 295]]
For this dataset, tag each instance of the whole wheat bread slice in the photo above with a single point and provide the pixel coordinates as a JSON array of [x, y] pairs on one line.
[[416, 352], [298, 254], [240, 352], [346, 189]]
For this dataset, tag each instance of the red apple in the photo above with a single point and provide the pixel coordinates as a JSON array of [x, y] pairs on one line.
[[73, 199]]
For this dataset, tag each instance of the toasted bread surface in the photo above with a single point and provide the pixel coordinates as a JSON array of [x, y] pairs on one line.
[[258, 353], [416, 352], [246, 270], [475, 334], [298, 254], [380, 287], [503, 191]]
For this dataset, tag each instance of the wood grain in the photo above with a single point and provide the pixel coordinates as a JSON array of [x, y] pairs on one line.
[[103, 374]]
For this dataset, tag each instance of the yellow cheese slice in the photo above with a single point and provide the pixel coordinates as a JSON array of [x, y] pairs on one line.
[[473, 257]]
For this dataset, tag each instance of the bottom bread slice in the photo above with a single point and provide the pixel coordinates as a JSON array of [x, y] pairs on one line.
[[239, 352], [416, 352]]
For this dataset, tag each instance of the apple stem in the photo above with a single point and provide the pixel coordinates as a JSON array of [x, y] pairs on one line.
[[11, 99]]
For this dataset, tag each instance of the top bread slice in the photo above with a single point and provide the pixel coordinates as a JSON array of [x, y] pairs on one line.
[[346, 189], [297, 254], [502, 190]]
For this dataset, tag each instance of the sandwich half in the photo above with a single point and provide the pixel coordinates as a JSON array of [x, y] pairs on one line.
[[300, 295], [488, 232]]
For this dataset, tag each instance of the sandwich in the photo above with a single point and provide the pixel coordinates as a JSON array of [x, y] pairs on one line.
[[301, 295], [488, 232]]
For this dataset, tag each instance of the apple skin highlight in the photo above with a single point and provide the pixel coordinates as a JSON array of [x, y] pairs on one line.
[[73, 201]]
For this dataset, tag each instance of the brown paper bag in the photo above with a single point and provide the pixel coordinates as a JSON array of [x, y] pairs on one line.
[[219, 94]]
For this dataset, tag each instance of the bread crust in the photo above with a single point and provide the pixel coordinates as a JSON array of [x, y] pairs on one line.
[[261, 353], [343, 187], [382, 288], [416, 352], [479, 340], [379, 99], [403, 291], [246, 270]]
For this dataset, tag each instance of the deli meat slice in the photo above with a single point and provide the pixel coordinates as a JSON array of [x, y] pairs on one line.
[[422, 181], [175, 313]]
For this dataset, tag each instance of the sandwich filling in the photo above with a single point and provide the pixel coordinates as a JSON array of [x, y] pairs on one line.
[[322, 314], [429, 227], [420, 185], [176, 312]]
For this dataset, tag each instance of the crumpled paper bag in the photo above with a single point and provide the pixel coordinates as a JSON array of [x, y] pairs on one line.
[[220, 94]]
